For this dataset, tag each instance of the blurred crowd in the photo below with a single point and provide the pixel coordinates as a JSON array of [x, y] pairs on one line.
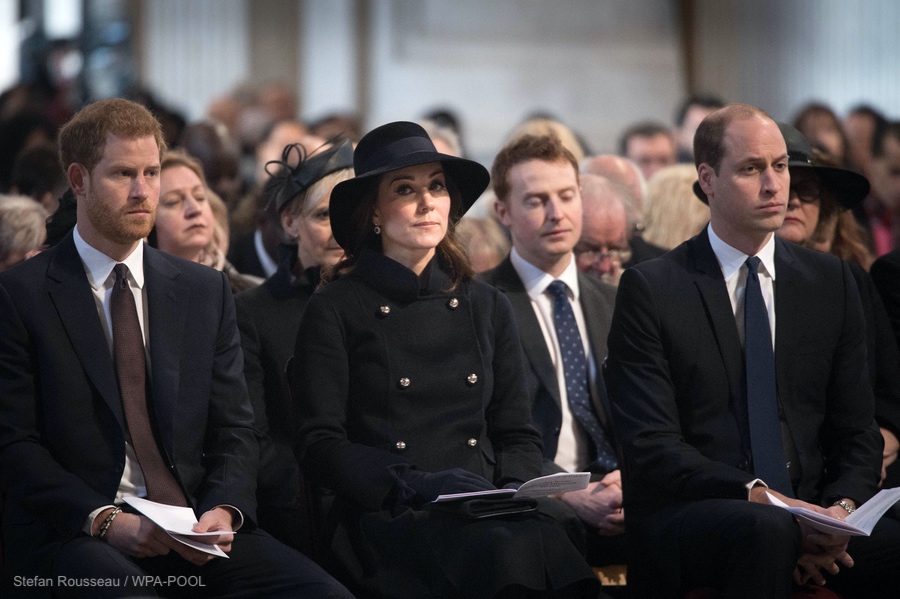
[[246, 190], [638, 201]]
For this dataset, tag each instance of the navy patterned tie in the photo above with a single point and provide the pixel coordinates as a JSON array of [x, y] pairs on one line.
[[766, 445], [576, 373]]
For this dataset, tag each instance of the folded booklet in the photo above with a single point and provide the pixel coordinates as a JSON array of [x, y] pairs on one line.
[[552, 484], [859, 523], [178, 522]]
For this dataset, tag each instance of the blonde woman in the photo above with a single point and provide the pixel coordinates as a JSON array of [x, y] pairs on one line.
[[186, 219], [673, 213], [269, 315]]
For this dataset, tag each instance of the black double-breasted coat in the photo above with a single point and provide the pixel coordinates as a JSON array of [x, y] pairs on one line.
[[393, 371]]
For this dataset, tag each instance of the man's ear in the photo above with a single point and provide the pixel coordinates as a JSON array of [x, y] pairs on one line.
[[501, 209], [78, 179], [705, 174]]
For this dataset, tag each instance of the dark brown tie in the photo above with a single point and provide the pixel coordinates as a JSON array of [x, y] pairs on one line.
[[128, 343]]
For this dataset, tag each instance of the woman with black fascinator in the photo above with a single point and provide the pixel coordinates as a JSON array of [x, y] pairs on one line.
[[299, 189], [408, 384]]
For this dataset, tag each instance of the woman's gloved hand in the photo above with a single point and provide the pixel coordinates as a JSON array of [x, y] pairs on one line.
[[428, 485]]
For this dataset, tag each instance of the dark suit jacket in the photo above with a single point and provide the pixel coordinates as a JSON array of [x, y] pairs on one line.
[[597, 301], [675, 369], [885, 274], [268, 317], [62, 428], [642, 250], [242, 255]]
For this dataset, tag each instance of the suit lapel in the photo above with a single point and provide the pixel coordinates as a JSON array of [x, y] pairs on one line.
[[535, 347], [166, 315], [74, 300], [711, 284], [789, 299], [593, 305]]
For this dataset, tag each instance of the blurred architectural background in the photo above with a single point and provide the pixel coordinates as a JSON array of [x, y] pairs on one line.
[[595, 65]]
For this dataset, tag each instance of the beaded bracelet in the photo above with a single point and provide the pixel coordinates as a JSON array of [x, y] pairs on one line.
[[108, 522]]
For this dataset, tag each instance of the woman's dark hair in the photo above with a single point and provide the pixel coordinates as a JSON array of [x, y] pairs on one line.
[[450, 252]]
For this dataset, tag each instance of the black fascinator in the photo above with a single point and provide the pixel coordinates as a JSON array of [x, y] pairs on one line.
[[287, 182]]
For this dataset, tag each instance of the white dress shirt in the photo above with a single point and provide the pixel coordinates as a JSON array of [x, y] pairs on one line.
[[732, 261], [269, 266], [99, 269], [572, 450]]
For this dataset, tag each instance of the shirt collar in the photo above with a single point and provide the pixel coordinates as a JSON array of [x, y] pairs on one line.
[[99, 266], [731, 259], [536, 280]]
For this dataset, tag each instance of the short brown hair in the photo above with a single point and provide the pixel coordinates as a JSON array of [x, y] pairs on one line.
[[708, 141], [83, 139], [522, 149]]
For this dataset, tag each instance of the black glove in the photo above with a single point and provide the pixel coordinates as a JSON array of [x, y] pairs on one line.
[[428, 485]]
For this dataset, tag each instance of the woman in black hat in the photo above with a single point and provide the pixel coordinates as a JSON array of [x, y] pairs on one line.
[[268, 318], [408, 383], [818, 194]]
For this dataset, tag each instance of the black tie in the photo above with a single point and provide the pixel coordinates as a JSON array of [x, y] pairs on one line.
[[128, 344], [762, 400], [576, 373]]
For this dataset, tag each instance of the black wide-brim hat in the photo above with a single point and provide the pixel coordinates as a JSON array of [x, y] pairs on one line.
[[389, 148], [849, 188]]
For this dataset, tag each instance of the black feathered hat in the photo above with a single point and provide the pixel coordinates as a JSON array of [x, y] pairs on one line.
[[287, 182]]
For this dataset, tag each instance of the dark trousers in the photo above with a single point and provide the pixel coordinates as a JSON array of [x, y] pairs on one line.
[[740, 549], [876, 569], [258, 566]]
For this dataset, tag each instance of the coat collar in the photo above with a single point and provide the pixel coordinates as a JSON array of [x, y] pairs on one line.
[[395, 280], [284, 283]]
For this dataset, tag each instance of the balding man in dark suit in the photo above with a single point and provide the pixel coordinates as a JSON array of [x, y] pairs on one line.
[[714, 411]]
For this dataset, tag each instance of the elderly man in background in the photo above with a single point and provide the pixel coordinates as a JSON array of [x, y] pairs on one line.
[[606, 231], [628, 178], [23, 229]]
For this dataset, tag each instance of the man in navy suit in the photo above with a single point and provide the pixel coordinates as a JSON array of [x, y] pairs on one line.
[[73, 444], [539, 199], [697, 465]]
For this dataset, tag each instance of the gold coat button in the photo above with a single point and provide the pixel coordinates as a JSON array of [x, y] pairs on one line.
[[453, 303], [472, 379], [472, 442], [400, 445], [404, 382], [385, 310]]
